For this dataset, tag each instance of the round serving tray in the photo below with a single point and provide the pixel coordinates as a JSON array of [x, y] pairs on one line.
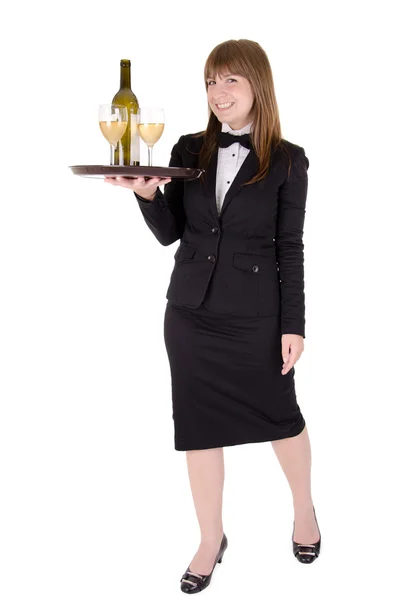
[[101, 171]]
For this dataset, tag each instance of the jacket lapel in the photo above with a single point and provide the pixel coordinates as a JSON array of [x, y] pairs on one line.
[[210, 189], [247, 170]]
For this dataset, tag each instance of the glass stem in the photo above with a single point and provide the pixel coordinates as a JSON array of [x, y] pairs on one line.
[[112, 149], [150, 155]]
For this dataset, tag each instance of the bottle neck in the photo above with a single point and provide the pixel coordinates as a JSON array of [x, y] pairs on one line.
[[125, 76]]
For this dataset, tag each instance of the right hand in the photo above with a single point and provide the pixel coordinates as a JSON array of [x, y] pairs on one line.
[[143, 187]]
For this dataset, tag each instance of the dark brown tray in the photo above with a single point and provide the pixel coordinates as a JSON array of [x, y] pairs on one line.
[[101, 171]]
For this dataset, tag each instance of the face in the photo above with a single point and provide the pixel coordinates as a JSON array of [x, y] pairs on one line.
[[234, 89]]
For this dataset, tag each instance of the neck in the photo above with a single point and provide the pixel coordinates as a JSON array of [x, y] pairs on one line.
[[237, 125]]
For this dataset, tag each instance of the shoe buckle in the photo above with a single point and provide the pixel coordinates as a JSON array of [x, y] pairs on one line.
[[306, 546], [195, 574], [193, 583]]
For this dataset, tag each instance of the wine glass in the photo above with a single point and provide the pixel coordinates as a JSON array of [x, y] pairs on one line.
[[113, 121], [151, 121]]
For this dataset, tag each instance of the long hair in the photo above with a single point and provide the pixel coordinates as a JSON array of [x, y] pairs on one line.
[[248, 59]]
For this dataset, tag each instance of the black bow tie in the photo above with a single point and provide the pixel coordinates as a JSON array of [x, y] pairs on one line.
[[226, 139]]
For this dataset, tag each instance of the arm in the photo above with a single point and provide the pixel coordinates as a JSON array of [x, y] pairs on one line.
[[165, 215], [289, 245]]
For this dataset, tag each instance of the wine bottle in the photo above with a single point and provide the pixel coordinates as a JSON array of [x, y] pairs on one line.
[[127, 149]]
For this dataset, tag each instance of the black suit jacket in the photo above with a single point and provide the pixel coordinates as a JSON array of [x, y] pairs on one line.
[[249, 259]]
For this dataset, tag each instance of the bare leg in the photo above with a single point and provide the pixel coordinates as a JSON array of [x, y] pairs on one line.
[[206, 474], [294, 455]]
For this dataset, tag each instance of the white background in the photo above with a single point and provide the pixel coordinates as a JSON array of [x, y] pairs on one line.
[[95, 502]]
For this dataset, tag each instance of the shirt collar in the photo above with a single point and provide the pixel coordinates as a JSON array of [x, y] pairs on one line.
[[226, 128]]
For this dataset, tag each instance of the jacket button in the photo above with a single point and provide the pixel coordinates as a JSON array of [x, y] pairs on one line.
[[255, 268], [211, 258], [215, 229]]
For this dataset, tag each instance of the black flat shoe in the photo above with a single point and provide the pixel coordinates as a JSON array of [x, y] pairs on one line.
[[306, 553], [194, 582]]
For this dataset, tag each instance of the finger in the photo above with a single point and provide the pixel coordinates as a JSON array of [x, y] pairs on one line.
[[153, 181], [290, 363], [128, 182], [287, 365], [116, 181], [147, 182], [161, 179], [292, 360], [285, 353], [136, 181]]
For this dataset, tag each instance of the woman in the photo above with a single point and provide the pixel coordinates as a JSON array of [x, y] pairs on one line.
[[234, 322]]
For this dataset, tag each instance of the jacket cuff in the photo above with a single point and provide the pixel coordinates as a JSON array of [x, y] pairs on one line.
[[144, 201], [296, 330]]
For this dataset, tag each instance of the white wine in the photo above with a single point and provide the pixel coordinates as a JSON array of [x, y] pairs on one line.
[[113, 130], [127, 150], [151, 132], [134, 140]]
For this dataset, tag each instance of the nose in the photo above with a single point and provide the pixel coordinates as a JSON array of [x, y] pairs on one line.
[[217, 96]]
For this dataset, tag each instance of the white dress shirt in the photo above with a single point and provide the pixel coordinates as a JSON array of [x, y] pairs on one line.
[[229, 162]]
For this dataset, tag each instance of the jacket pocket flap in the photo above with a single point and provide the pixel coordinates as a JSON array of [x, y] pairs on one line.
[[253, 262], [184, 251]]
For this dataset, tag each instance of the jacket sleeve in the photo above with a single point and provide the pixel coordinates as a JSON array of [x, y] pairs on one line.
[[289, 245], [165, 215]]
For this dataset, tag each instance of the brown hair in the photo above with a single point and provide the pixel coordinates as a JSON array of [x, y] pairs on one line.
[[248, 59]]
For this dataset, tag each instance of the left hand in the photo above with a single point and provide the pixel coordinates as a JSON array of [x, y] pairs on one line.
[[291, 349]]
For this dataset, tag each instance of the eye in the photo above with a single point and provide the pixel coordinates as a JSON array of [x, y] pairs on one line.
[[230, 79]]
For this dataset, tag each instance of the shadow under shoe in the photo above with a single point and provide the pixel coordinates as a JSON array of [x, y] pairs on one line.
[[191, 583], [306, 553]]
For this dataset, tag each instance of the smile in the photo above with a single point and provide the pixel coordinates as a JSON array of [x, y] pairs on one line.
[[224, 106]]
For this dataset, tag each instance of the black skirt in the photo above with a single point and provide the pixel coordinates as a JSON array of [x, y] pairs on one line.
[[227, 386]]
